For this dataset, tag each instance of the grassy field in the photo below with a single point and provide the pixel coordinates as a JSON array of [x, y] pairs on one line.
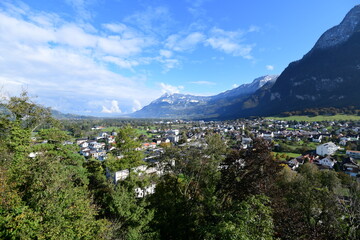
[[109, 129], [283, 155], [139, 131], [319, 118], [143, 132]]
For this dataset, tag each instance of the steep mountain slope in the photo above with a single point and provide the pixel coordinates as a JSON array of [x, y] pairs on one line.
[[327, 76], [247, 88], [191, 107]]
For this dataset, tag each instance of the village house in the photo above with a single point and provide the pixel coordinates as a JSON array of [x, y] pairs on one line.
[[326, 149], [173, 132], [317, 138], [293, 164], [246, 142], [353, 154], [80, 140], [84, 144], [173, 138], [85, 151], [329, 162], [350, 167]]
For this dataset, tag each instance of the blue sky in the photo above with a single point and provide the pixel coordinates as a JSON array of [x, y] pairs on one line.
[[110, 57]]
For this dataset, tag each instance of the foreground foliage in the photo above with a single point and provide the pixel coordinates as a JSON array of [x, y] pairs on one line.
[[48, 191]]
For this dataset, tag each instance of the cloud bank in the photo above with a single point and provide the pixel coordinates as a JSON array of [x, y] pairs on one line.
[[78, 68]]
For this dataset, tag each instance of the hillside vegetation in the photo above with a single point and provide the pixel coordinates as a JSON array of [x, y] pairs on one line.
[[210, 191]]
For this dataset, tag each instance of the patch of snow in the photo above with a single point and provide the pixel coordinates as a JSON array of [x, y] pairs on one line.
[[341, 32], [297, 84], [275, 95]]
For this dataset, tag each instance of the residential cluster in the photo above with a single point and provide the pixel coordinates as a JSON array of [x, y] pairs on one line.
[[330, 145]]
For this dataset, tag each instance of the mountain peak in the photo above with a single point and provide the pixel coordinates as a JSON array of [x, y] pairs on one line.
[[261, 81], [248, 88], [188, 106], [166, 95], [342, 32]]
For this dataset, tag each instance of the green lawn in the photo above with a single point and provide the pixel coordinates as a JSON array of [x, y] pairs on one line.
[[109, 129], [295, 147], [139, 131], [283, 155], [143, 132], [319, 118]]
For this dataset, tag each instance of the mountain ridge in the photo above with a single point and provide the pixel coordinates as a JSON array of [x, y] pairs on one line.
[[190, 106]]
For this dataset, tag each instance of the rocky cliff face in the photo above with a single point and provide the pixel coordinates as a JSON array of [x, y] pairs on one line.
[[342, 32]]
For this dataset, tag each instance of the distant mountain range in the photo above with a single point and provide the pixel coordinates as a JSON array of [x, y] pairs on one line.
[[327, 76], [62, 116], [195, 107]]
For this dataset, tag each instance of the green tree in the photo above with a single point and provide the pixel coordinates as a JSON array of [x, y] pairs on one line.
[[30, 114], [310, 204], [130, 216], [46, 196], [183, 138], [17, 221], [53, 135], [248, 172], [185, 198], [127, 155], [247, 220]]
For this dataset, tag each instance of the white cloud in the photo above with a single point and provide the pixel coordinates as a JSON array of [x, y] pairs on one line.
[[180, 43], [270, 67], [80, 7], [69, 64], [203, 83], [22, 31], [116, 27], [153, 20], [197, 3], [218, 58], [254, 28], [229, 42], [123, 63], [165, 53], [65, 64], [75, 36], [169, 64], [114, 108], [121, 47], [167, 88], [137, 105], [70, 34]]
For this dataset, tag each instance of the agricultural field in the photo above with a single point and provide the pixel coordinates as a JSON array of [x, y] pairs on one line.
[[338, 117]]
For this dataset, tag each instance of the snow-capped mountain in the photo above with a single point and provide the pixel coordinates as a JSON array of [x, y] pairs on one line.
[[189, 106], [248, 88], [177, 98]]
